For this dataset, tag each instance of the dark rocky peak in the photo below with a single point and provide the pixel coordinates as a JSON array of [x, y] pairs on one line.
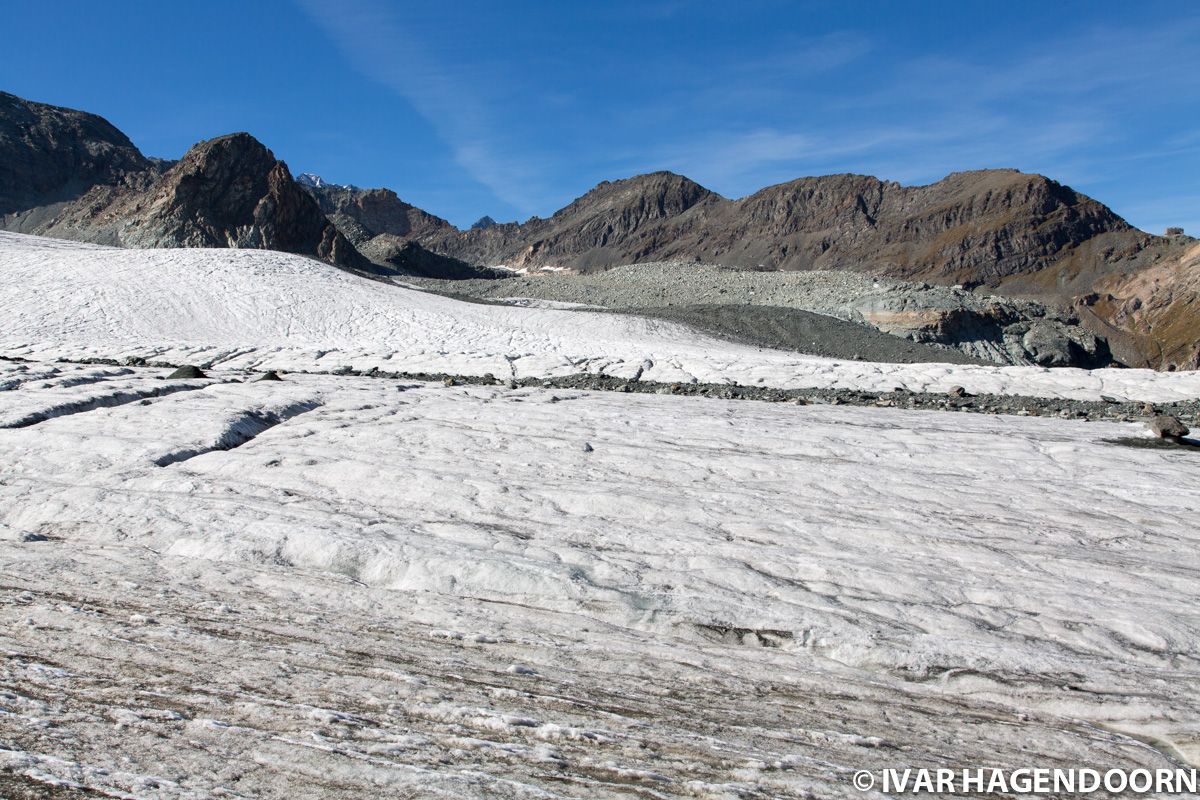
[[50, 154], [231, 191], [984, 226], [483, 223], [226, 176]]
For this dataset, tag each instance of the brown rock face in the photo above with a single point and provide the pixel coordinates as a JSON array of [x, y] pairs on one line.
[[1156, 307], [50, 154], [978, 227]]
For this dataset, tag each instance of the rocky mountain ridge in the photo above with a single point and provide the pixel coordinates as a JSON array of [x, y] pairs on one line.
[[979, 227], [389, 232], [1012, 233], [365, 213], [74, 175]]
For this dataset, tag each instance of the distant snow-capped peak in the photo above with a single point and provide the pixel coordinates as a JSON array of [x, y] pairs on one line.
[[317, 182]]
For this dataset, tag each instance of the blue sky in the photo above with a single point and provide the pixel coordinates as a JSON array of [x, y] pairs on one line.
[[515, 108]]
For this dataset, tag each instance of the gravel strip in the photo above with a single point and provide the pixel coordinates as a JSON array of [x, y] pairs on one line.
[[1020, 405]]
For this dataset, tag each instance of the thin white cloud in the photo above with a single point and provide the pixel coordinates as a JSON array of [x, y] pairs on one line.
[[375, 40]]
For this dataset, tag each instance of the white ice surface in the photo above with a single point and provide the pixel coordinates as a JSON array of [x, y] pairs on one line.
[[343, 587], [395, 589], [257, 309]]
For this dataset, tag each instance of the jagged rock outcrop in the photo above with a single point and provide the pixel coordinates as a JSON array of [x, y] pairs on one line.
[[988, 327], [231, 192], [51, 155]]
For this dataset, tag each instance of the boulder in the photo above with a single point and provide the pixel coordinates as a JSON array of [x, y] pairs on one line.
[[1167, 427]]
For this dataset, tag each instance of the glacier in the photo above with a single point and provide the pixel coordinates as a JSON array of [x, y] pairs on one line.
[[343, 586]]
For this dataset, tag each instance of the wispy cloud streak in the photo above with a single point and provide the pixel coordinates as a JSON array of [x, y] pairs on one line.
[[375, 39]]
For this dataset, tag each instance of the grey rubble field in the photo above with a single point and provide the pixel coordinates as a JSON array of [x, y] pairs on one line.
[[947, 321], [810, 332]]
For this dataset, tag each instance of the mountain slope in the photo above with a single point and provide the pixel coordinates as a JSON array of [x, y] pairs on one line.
[[615, 223], [50, 154], [70, 174]]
